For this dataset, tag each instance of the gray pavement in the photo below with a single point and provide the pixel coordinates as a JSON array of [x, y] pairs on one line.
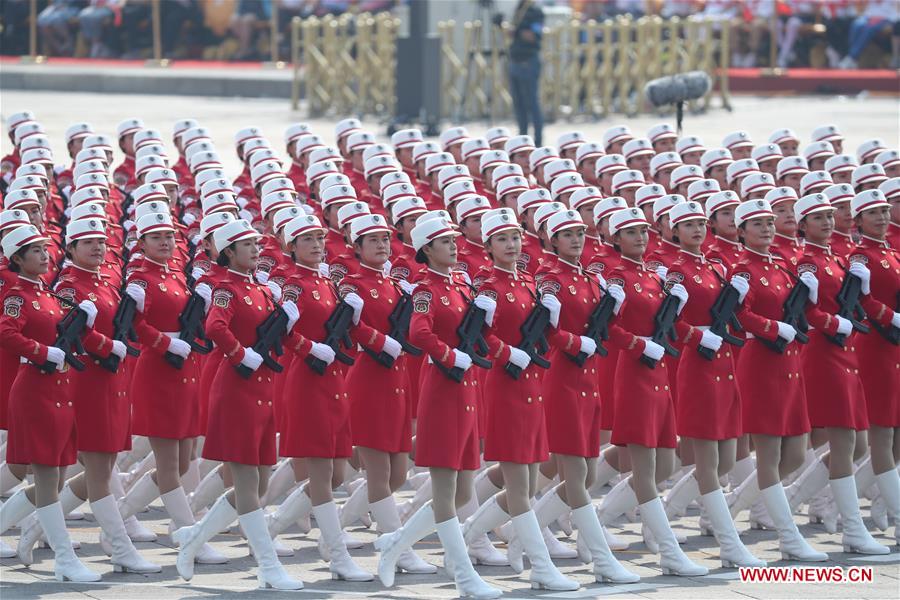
[[238, 576]]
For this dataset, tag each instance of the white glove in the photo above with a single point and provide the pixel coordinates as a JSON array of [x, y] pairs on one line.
[[662, 271], [785, 331], [588, 345], [407, 286], [324, 270], [119, 349], [711, 340], [844, 325], [741, 285], [461, 360], [276, 290], [653, 350], [895, 320], [137, 294], [618, 293], [681, 293], [812, 282], [519, 358], [552, 304], [293, 313], [188, 219], [204, 291], [357, 303], [488, 306], [862, 271], [386, 268], [179, 347], [241, 201], [391, 346], [252, 359], [262, 276], [91, 309], [196, 242], [56, 356], [68, 212], [197, 273], [243, 213], [601, 280], [323, 352]]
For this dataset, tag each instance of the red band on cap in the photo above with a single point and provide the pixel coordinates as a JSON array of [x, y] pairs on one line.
[[500, 228], [630, 222], [757, 213]]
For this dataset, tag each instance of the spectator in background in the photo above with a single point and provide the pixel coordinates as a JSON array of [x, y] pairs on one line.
[[525, 67], [877, 15], [173, 15], [244, 25], [14, 32], [137, 27], [56, 24], [95, 21]]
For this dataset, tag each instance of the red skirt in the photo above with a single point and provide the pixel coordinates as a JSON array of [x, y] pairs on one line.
[[280, 380], [241, 427], [773, 399], [42, 427], [209, 366], [516, 430], [102, 408], [879, 368], [834, 391], [709, 403], [317, 413], [572, 406], [380, 415], [447, 428], [165, 401], [9, 366], [607, 373], [644, 413]]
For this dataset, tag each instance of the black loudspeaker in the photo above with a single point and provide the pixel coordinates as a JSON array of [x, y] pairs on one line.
[[418, 75]]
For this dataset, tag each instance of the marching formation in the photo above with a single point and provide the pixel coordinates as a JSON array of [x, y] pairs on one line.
[[506, 328]]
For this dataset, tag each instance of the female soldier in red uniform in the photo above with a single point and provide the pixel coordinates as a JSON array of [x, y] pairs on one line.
[[773, 398], [381, 423], [102, 409], [834, 391], [447, 440], [708, 412], [644, 416], [41, 414], [241, 428], [573, 396], [165, 407], [317, 407], [878, 357], [516, 434]]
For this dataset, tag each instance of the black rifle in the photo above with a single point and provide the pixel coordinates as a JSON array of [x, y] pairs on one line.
[[337, 329], [849, 307], [664, 328], [269, 334], [889, 332], [123, 331], [794, 315], [534, 339], [471, 342], [68, 339], [723, 315], [191, 321], [597, 328], [399, 320]]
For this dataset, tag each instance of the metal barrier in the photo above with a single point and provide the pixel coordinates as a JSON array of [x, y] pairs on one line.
[[345, 65]]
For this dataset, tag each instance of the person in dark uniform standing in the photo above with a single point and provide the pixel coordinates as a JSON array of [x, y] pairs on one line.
[[525, 67]]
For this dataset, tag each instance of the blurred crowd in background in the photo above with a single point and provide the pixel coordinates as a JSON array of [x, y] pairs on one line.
[[808, 33]]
